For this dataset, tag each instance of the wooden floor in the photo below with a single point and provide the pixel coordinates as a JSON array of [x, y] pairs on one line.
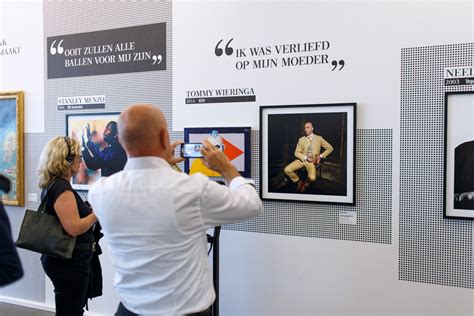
[[15, 310]]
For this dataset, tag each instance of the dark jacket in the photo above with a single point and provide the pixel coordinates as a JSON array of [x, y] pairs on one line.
[[10, 265], [110, 160], [95, 281]]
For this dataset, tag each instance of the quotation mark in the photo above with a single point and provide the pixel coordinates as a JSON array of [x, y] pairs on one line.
[[157, 59], [53, 50], [228, 50], [335, 62]]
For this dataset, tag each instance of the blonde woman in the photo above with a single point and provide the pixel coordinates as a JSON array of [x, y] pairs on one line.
[[59, 161]]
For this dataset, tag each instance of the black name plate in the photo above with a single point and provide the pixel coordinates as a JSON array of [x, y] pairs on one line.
[[131, 49]]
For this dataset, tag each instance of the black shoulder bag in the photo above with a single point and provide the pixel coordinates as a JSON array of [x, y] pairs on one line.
[[43, 233]]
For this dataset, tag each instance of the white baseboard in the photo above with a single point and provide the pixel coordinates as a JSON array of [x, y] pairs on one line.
[[26, 303], [38, 305]]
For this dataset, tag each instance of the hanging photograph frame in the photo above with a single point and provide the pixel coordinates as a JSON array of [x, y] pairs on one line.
[[99, 158], [289, 171], [458, 197], [235, 143]]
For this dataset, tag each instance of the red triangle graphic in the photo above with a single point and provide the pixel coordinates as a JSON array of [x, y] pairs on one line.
[[230, 150]]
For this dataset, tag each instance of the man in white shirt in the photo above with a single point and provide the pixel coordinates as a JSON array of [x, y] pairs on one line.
[[155, 218]]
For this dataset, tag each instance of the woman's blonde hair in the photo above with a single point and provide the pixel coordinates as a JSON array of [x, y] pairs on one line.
[[52, 163]]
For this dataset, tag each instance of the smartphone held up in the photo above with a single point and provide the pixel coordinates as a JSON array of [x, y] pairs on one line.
[[191, 150]]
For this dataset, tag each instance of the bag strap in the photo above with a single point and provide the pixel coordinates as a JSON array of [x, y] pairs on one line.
[[42, 206]]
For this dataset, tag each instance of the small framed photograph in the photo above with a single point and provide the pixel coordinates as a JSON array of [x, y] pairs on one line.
[[11, 146], [102, 154], [459, 155], [233, 141], [307, 152]]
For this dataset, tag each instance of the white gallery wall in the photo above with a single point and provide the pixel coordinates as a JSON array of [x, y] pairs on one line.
[[21, 61], [260, 273], [265, 274], [367, 35]]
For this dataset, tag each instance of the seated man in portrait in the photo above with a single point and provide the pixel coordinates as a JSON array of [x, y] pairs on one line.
[[308, 154]]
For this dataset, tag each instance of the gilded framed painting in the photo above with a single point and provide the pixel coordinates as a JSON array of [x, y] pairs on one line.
[[11, 145]]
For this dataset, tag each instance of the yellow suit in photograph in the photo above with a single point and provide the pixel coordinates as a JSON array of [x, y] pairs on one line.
[[308, 146]]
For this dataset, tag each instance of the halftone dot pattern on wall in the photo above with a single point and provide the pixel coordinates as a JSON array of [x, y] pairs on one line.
[[373, 199], [432, 249]]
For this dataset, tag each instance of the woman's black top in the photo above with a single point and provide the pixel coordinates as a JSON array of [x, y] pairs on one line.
[[55, 191]]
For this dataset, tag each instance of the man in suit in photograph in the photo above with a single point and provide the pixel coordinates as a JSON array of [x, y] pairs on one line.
[[308, 155]]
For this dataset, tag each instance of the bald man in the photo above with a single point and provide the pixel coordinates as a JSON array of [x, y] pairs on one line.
[[156, 218]]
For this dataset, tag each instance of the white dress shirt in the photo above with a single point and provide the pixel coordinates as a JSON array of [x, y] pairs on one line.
[[155, 220]]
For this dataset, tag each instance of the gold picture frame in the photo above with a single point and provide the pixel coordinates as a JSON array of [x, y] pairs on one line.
[[11, 145]]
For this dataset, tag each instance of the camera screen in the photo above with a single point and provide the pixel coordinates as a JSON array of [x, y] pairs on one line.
[[192, 150]]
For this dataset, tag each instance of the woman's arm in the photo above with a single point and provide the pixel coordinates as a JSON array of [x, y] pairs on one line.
[[66, 209]]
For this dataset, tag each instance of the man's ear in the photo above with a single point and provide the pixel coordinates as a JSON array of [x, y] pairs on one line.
[[164, 139]]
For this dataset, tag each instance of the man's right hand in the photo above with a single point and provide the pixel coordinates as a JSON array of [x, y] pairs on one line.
[[216, 160]]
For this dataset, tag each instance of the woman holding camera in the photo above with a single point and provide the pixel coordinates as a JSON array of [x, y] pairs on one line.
[[59, 161]]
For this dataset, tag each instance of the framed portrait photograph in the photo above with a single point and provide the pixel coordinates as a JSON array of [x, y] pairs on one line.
[[233, 141], [11, 146], [459, 155], [307, 152], [102, 154]]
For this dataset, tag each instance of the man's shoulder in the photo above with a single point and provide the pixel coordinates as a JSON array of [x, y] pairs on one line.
[[116, 145], [110, 181], [318, 137], [197, 177], [147, 175], [191, 182]]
